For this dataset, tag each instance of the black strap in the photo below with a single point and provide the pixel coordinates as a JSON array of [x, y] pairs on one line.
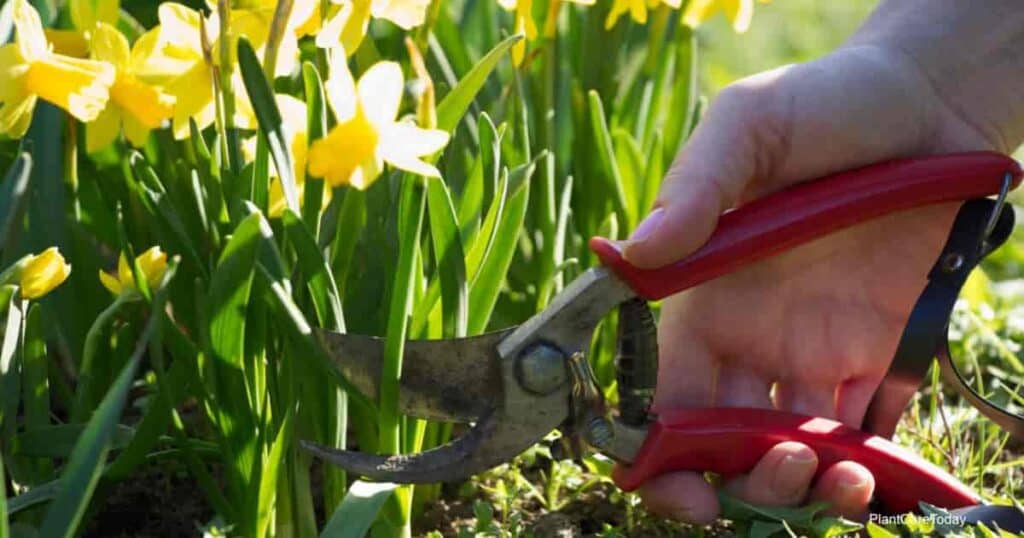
[[925, 335], [974, 235]]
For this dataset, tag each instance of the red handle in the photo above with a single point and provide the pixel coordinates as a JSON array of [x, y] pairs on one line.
[[783, 220], [730, 441]]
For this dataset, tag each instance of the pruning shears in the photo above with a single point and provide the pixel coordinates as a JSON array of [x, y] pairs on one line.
[[516, 385]]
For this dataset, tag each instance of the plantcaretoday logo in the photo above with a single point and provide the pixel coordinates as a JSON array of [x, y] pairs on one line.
[[939, 520]]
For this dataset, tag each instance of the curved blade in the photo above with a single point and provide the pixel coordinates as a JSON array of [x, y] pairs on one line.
[[498, 437], [454, 380]]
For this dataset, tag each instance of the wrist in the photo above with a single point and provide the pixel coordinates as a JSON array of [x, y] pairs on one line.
[[967, 55]]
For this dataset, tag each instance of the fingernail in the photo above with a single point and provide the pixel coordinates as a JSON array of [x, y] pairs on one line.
[[794, 473], [648, 225], [852, 488]]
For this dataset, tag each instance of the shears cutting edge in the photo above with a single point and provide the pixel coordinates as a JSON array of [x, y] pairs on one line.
[[516, 385]]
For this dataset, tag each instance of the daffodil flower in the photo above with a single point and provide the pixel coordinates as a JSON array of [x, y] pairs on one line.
[[524, 23], [152, 263], [637, 10], [29, 70], [43, 272], [739, 12], [293, 112], [366, 135], [348, 20], [134, 106], [171, 55]]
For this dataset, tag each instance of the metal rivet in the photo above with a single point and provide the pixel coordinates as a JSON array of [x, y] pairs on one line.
[[599, 432], [952, 262], [541, 369]]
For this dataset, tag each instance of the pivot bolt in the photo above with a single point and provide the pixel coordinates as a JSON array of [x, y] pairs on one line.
[[541, 369], [599, 432]]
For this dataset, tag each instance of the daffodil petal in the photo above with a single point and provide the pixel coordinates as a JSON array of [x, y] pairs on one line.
[[340, 87], [12, 71], [102, 131], [112, 284], [740, 13], [135, 132], [80, 87], [109, 45], [410, 139], [698, 11], [410, 163], [16, 115], [380, 92], [407, 14], [68, 42], [31, 38], [179, 27]]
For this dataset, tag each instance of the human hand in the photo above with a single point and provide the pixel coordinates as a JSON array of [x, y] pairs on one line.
[[813, 330]]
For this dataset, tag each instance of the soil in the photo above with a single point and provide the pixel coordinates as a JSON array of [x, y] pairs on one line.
[[157, 501]]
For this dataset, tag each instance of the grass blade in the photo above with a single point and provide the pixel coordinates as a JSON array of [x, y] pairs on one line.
[[261, 95], [4, 527], [12, 199], [320, 281], [456, 102], [316, 128], [78, 480], [358, 510], [10, 367], [451, 262], [606, 156], [487, 284]]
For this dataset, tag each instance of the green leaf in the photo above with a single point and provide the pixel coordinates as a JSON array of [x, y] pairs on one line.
[[606, 157], [444, 231], [320, 281], [487, 284], [261, 95], [10, 367], [58, 441], [630, 160], [4, 527], [358, 510], [455, 104], [230, 287], [653, 174], [683, 99], [270, 473], [410, 224], [78, 480], [38, 494], [316, 128], [157, 417], [12, 199]]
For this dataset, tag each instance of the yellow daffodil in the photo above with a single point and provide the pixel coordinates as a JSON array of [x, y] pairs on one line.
[[524, 23], [366, 134], [739, 12], [42, 273], [134, 106], [29, 70], [293, 112], [348, 20], [171, 55], [86, 14], [152, 263], [637, 10]]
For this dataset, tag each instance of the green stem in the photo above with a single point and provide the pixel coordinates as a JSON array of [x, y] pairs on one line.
[[411, 211], [85, 404]]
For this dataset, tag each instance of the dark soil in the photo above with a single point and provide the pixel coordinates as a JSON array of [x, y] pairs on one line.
[[157, 501]]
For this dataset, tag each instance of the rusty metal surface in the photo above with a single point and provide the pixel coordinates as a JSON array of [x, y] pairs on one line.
[[456, 380], [477, 380]]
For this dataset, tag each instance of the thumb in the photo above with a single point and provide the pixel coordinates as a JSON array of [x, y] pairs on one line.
[[738, 139]]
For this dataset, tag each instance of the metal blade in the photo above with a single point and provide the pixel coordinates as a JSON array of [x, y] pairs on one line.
[[454, 380]]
